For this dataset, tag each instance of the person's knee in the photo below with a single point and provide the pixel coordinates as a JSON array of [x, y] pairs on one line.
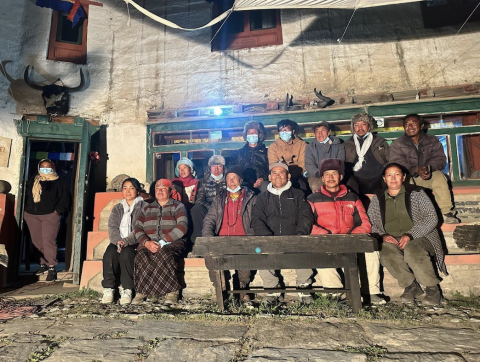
[[413, 251], [389, 251], [127, 253], [110, 252], [439, 181]]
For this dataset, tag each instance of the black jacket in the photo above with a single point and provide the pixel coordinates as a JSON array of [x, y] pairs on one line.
[[208, 188], [253, 158], [55, 197], [287, 214]]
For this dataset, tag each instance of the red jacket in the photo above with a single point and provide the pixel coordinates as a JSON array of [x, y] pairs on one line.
[[343, 215]]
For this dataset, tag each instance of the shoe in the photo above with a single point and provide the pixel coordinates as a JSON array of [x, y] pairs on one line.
[[108, 294], [411, 292], [271, 298], [244, 297], [433, 296], [173, 297], [51, 275], [305, 298], [139, 298], [377, 299], [125, 297], [450, 218], [43, 269]]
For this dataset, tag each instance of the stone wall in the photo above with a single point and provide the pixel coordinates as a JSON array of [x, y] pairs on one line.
[[137, 64]]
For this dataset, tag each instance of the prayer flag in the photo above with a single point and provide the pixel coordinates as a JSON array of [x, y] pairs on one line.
[[72, 7]]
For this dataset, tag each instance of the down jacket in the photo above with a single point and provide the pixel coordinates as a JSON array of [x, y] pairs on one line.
[[213, 221], [253, 158], [316, 152], [208, 188], [421, 212], [287, 214], [115, 220], [343, 214], [430, 152]]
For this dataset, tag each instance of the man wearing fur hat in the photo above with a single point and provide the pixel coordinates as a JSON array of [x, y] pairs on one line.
[[423, 156], [252, 157], [212, 183], [366, 155], [282, 210], [338, 211]]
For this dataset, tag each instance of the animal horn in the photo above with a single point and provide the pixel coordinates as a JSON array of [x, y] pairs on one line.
[[29, 82], [4, 71], [82, 83]]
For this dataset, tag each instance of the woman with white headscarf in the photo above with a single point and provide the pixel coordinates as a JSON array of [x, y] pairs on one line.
[[186, 181]]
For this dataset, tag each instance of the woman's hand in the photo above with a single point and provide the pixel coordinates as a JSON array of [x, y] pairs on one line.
[[403, 242], [120, 244], [390, 239], [152, 246]]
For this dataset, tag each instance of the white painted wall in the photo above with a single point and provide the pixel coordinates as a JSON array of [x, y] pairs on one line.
[[133, 66]]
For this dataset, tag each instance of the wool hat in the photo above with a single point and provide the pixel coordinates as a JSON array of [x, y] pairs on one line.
[[189, 163], [322, 124], [278, 164], [363, 117], [237, 170], [216, 160], [332, 164]]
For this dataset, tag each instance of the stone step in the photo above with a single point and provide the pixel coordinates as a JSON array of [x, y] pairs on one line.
[[464, 273]]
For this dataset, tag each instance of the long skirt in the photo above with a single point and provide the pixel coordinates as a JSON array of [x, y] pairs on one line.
[[159, 273]]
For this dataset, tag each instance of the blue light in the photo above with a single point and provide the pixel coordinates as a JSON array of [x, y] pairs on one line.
[[217, 111]]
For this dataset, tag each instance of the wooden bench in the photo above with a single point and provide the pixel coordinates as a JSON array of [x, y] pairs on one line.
[[287, 252]]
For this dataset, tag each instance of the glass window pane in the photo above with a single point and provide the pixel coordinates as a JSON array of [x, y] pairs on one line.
[[262, 19], [200, 159], [164, 163], [65, 32]]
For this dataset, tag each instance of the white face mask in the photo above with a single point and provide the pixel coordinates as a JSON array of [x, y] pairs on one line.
[[219, 177], [252, 138], [46, 170], [236, 190], [326, 140], [286, 136]]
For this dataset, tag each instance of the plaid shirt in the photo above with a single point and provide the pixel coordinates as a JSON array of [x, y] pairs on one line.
[[168, 222]]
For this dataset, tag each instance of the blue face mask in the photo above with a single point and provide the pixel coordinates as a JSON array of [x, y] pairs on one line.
[[46, 171], [219, 177], [286, 136], [252, 138], [236, 190], [326, 140]]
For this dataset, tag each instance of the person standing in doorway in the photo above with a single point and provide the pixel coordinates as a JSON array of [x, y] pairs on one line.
[[47, 200]]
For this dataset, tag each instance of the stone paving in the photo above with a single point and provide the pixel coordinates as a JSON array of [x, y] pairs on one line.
[[82, 329]]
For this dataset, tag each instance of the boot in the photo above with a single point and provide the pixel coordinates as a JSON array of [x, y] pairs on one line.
[[433, 296], [139, 298], [172, 297], [411, 292], [244, 297], [305, 298], [324, 101], [450, 218], [273, 298]]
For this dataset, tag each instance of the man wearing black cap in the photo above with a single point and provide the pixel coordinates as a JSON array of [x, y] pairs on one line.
[[324, 146], [338, 211], [282, 210]]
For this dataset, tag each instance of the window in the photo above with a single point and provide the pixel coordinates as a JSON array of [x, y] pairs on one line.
[[164, 164], [246, 29], [440, 13], [200, 159], [469, 156]]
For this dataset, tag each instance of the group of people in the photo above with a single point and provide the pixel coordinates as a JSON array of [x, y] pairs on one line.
[[291, 188]]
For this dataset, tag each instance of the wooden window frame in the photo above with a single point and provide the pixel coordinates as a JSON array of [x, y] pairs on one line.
[[248, 38]]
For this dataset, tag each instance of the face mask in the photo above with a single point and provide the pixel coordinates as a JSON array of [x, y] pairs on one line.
[[252, 138], [236, 190], [219, 177], [326, 140], [286, 136], [46, 171]]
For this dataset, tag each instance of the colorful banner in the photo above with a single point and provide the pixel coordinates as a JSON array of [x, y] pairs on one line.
[[61, 156]]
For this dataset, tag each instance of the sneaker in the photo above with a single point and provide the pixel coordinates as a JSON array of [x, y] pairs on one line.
[[272, 298], [377, 299], [51, 275], [411, 292], [433, 296], [126, 297], [43, 269], [139, 298], [108, 294], [450, 218], [173, 297], [305, 298]]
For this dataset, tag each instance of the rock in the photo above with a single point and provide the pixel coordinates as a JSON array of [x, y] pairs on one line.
[[117, 181], [304, 355], [21, 347], [191, 350], [455, 320], [87, 328], [25, 326], [474, 320], [422, 357]]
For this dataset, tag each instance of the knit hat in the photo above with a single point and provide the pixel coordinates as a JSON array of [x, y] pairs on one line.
[[189, 163], [237, 170], [278, 164], [332, 164], [216, 160]]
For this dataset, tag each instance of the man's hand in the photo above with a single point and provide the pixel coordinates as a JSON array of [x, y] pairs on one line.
[[404, 240], [422, 171], [258, 182], [152, 246], [390, 239]]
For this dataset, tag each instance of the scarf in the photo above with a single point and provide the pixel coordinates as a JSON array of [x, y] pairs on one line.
[[362, 151], [278, 192], [126, 223], [37, 188]]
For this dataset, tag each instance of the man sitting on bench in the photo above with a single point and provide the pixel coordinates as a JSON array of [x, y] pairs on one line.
[[282, 210], [338, 211]]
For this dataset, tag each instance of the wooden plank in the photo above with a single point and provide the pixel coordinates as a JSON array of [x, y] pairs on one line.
[[290, 290], [285, 244], [351, 282], [284, 261]]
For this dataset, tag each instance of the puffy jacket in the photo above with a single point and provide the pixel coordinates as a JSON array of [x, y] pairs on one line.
[[430, 152], [379, 149], [343, 214], [316, 152], [292, 151], [208, 188], [213, 221], [115, 220], [253, 157], [287, 214]]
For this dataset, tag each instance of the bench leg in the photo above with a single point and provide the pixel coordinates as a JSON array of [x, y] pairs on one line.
[[351, 281], [218, 282]]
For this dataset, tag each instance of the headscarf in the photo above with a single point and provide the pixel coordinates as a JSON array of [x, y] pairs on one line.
[[189, 163], [167, 183], [40, 176], [126, 222]]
